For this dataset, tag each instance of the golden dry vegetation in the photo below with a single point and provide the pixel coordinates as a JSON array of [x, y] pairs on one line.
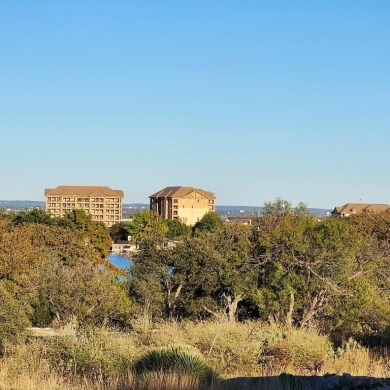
[[103, 359]]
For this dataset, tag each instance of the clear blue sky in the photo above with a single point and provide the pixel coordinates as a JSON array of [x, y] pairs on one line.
[[249, 99]]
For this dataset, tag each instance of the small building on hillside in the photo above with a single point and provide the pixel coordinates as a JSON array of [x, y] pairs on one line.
[[239, 221], [187, 204], [103, 203], [358, 208], [123, 246]]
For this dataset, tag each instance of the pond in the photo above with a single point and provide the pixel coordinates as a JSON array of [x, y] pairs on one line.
[[121, 260]]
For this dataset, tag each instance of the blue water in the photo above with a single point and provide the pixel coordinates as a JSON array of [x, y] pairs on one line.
[[120, 260]]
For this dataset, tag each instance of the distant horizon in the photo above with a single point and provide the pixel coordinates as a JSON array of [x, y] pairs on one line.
[[146, 204], [217, 205], [225, 204]]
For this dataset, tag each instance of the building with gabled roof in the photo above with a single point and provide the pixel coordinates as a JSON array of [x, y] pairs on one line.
[[187, 204], [104, 204], [358, 208]]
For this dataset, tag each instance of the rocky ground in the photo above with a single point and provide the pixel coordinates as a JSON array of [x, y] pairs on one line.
[[346, 381], [326, 382]]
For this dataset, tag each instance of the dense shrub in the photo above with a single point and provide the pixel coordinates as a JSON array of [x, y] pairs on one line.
[[13, 314]]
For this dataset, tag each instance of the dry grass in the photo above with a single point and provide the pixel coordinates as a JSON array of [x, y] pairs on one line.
[[25, 379], [168, 380], [100, 359], [247, 349], [359, 361]]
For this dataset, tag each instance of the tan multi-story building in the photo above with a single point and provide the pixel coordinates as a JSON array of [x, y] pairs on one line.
[[186, 204], [103, 203], [358, 208]]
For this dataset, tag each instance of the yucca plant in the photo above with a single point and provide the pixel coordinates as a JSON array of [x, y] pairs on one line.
[[178, 359]]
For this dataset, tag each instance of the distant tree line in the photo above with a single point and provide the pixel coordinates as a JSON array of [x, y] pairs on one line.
[[288, 268]]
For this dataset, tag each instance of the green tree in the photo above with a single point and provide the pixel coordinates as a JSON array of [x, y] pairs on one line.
[[277, 238], [213, 271], [206, 273], [42, 315], [209, 222], [24, 248], [52, 270], [13, 314], [81, 293], [330, 263], [95, 233], [118, 232], [366, 311], [146, 224], [149, 279], [281, 207], [177, 228], [303, 264], [33, 216]]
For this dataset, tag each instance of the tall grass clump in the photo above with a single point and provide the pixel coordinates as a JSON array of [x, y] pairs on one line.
[[24, 366], [94, 353], [358, 360], [296, 351], [183, 362]]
